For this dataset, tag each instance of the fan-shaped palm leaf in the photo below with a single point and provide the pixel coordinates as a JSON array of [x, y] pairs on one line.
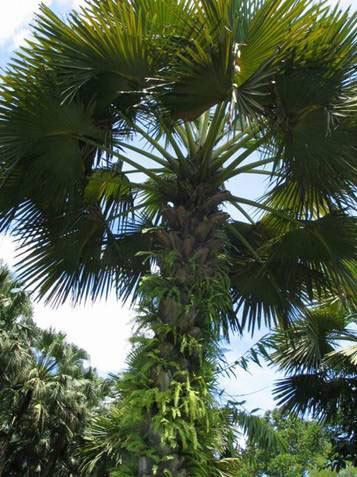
[[320, 377], [280, 266], [313, 119]]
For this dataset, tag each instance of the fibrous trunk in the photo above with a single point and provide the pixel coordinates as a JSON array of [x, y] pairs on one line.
[[168, 387]]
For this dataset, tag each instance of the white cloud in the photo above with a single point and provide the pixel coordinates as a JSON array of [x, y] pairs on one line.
[[16, 15], [102, 329], [7, 250], [70, 3]]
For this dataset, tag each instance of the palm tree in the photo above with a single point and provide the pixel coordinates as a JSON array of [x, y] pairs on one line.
[[14, 304], [16, 328], [53, 397], [207, 85], [67, 392], [47, 394], [321, 374]]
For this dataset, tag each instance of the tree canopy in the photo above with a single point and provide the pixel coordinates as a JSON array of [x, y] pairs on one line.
[[307, 451], [47, 392]]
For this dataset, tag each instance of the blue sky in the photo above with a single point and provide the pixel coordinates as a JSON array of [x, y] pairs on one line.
[[103, 328]]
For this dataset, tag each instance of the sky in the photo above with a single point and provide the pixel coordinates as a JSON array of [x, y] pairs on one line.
[[103, 328]]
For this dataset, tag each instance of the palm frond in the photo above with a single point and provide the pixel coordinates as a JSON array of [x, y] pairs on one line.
[[263, 33], [320, 377], [102, 441], [232, 54], [82, 258], [72, 229], [310, 392], [304, 347], [312, 119], [258, 431], [278, 267], [345, 358]]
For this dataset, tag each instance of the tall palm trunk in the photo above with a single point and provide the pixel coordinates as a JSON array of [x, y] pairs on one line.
[[175, 391]]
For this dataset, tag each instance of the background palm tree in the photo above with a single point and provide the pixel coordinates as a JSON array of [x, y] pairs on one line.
[[93, 210], [317, 356], [47, 393], [321, 376], [16, 327]]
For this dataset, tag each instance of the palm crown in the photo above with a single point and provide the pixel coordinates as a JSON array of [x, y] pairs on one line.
[[66, 116]]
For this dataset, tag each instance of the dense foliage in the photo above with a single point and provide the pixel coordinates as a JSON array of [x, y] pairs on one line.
[[47, 392], [306, 451], [306, 448], [215, 89], [348, 472]]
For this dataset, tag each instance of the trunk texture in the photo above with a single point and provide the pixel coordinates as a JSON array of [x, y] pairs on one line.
[[180, 308]]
